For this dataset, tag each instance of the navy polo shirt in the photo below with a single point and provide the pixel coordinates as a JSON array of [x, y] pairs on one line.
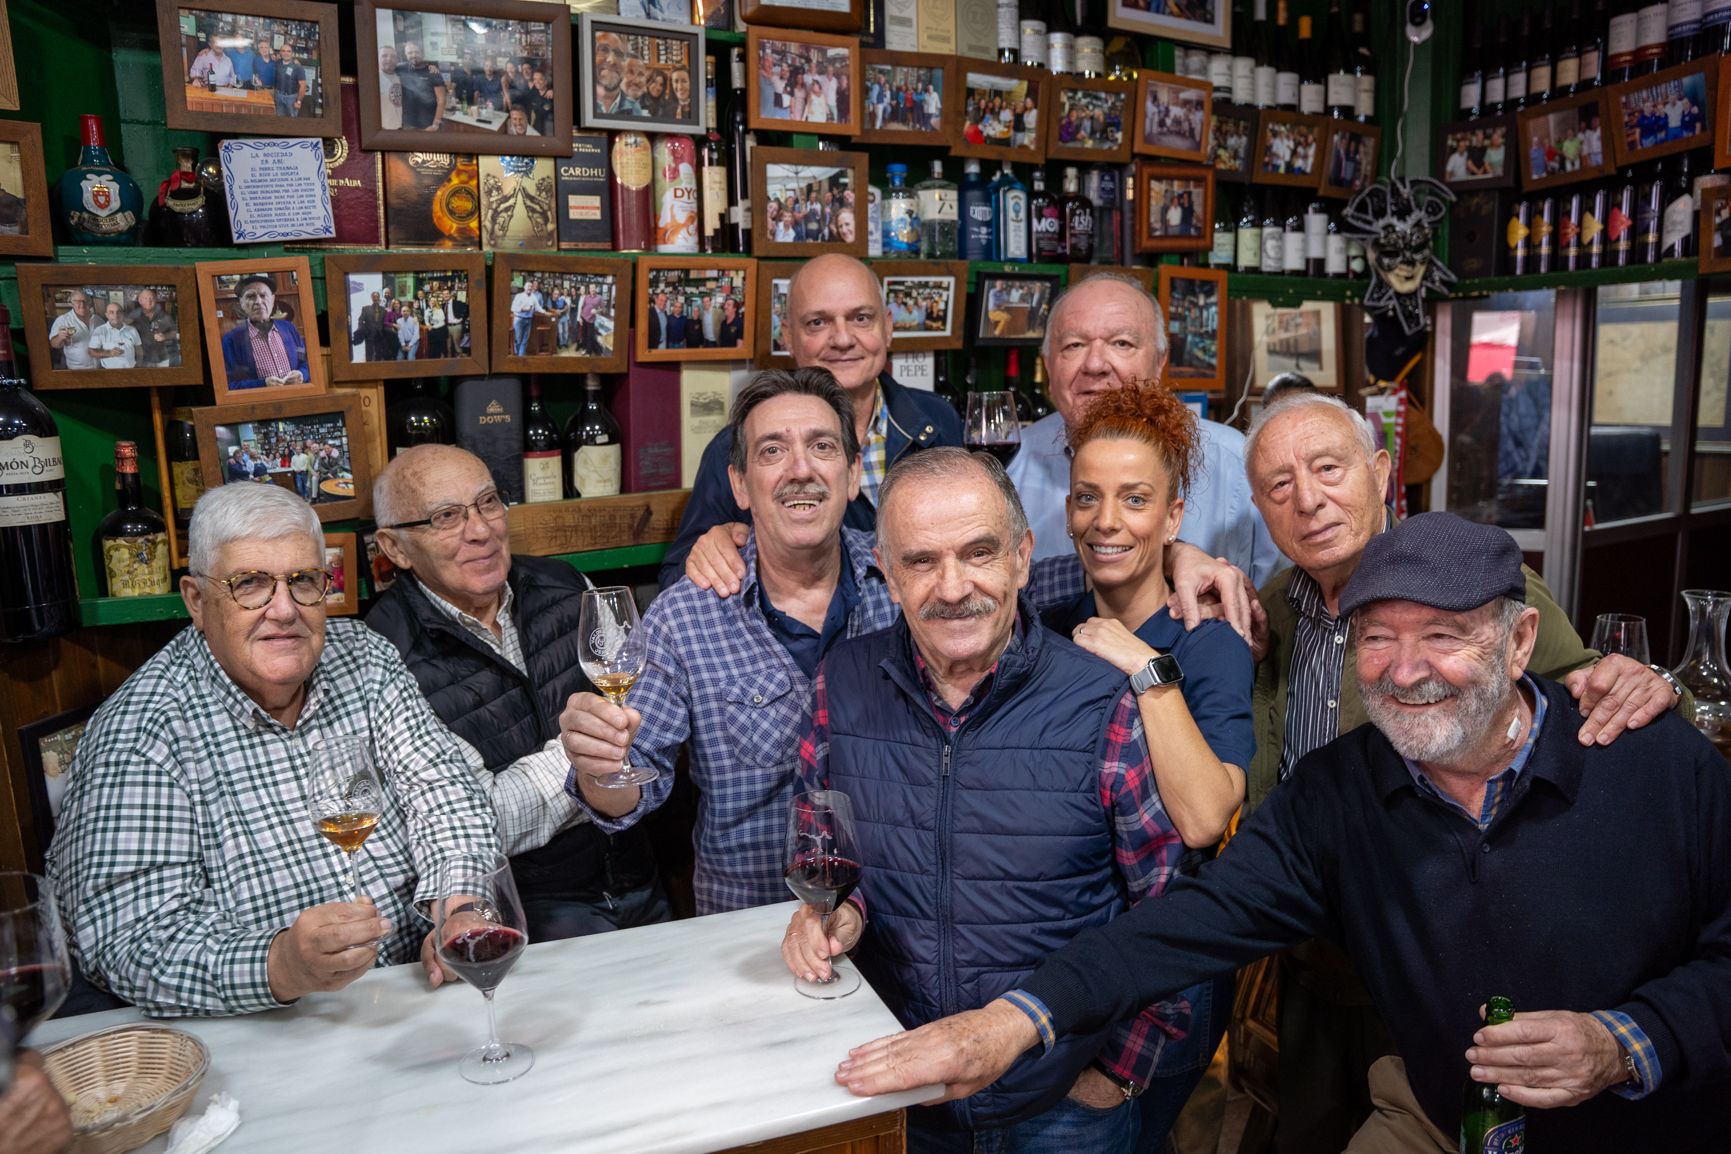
[[805, 645]]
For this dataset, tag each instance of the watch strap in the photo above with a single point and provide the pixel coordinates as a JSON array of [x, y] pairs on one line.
[[1669, 679]]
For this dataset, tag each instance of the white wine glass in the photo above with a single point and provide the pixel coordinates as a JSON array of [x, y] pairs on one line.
[[612, 653], [481, 932], [991, 424], [822, 870], [345, 797]]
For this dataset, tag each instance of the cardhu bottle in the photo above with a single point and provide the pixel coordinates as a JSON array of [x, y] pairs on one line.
[[98, 201], [675, 162], [633, 215]]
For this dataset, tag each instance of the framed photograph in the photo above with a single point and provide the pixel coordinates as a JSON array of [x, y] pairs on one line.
[[773, 279], [683, 300], [1563, 141], [560, 314], [1291, 148], [464, 76], [926, 301], [1352, 156], [1722, 120], [908, 97], [251, 67], [1302, 339], [1141, 272], [110, 325], [641, 75], [1231, 132], [1475, 153], [823, 15], [48, 747], [261, 330], [406, 315], [24, 217], [343, 598], [1177, 207], [312, 446], [1011, 308], [1089, 120], [1715, 231], [1194, 303], [1205, 22], [802, 82], [1001, 110], [1172, 116], [8, 69], [808, 203], [380, 573], [1666, 112]]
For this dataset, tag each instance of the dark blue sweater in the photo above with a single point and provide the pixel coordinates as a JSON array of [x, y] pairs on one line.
[[1604, 883]]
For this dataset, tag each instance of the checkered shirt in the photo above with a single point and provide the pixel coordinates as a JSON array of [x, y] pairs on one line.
[[874, 450], [185, 842]]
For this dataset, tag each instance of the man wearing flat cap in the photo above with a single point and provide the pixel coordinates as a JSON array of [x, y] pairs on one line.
[[1462, 844], [261, 351]]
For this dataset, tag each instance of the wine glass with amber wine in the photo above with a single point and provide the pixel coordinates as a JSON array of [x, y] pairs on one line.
[[481, 932], [822, 870], [612, 652], [345, 797]]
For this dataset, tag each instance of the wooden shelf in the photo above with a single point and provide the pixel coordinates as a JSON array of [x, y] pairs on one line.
[[131, 610], [1686, 268], [1286, 291]]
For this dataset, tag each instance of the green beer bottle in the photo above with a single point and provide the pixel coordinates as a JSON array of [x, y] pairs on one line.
[[1490, 1123]]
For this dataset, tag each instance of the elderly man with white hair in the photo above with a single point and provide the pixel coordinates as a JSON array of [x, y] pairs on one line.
[[186, 863]]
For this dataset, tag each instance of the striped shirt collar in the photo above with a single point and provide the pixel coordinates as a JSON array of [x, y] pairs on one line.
[[507, 644], [1498, 788]]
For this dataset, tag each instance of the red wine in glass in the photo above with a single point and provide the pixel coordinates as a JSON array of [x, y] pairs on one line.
[[481, 933], [822, 881], [1004, 451], [37, 970], [823, 869], [32, 993], [484, 956]]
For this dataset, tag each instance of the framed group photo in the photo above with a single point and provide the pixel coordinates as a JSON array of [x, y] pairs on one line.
[[641, 75], [822, 15], [311, 446], [24, 217], [1176, 212], [802, 82], [465, 76], [251, 67], [1564, 141], [695, 308], [926, 302], [1352, 150], [908, 98], [1231, 134], [1475, 153], [1172, 116], [1290, 148], [110, 325], [1193, 301], [560, 314], [1303, 339], [1011, 308], [808, 203], [1664, 113], [774, 326], [406, 315], [1001, 110], [1204, 22], [1090, 120], [261, 332]]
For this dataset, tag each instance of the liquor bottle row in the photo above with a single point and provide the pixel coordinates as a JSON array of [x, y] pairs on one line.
[[1640, 216], [1276, 233], [999, 220]]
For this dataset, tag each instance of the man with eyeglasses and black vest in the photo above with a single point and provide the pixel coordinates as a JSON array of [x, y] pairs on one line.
[[493, 642]]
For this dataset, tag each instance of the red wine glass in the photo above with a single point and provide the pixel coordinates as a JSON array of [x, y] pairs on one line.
[[34, 967], [481, 933], [991, 424], [822, 870]]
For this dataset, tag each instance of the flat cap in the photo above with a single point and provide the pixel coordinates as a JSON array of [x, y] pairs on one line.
[[1440, 560], [254, 278]]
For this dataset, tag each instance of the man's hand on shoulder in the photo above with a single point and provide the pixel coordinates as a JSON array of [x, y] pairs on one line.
[[1548, 1059], [714, 562], [964, 1053], [326, 948], [1617, 693], [1204, 587]]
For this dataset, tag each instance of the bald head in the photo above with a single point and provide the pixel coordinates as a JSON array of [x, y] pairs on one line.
[[1104, 333], [466, 564], [839, 322], [399, 488]]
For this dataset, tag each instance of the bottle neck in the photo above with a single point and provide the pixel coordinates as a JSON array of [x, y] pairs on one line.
[[127, 486]]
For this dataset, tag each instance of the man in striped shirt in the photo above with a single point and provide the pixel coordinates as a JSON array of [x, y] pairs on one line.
[[263, 350]]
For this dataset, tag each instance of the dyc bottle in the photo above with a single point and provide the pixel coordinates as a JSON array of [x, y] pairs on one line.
[[1490, 1123], [132, 539]]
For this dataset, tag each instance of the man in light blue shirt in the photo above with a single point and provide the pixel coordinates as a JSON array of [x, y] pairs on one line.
[[1103, 334]]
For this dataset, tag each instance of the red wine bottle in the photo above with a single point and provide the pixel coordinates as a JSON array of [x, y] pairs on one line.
[[423, 419], [38, 594], [594, 446], [543, 452], [738, 160], [712, 172]]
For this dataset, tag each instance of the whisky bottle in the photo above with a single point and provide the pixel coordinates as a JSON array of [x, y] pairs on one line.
[[133, 539]]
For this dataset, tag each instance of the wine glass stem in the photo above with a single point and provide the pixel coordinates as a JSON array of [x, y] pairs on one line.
[[823, 928], [492, 1023], [354, 877]]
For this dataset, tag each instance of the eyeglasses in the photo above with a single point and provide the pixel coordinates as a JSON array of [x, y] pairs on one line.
[[451, 518], [253, 589]]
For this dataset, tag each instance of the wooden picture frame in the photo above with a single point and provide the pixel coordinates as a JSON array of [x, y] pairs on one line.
[[775, 170], [1345, 175], [31, 217], [48, 746], [1155, 136], [1282, 139], [897, 64], [1715, 228], [336, 498], [659, 273], [1144, 274], [1481, 144], [176, 293], [229, 356], [627, 114], [1722, 120], [769, 295], [350, 277], [951, 276], [240, 109], [1077, 93], [1215, 33], [1281, 338], [1012, 309], [974, 80], [1184, 180], [482, 130], [511, 273], [1688, 91], [776, 41], [1538, 126], [1232, 141], [8, 67], [792, 14], [343, 598], [1195, 357]]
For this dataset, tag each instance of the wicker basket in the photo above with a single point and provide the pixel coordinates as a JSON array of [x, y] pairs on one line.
[[127, 1084]]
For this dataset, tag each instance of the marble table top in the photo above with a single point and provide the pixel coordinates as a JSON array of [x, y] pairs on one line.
[[682, 1037]]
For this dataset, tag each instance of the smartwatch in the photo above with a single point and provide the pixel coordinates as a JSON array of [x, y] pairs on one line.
[[1162, 669]]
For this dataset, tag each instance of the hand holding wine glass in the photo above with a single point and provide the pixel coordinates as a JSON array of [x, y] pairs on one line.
[[481, 932], [345, 797], [991, 424], [35, 969], [613, 653], [822, 870]]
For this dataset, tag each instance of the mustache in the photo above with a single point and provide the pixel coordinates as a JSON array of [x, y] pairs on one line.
[[1427, 692], [808, 489], [980, 606]]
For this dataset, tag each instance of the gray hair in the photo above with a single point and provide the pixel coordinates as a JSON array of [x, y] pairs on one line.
[[1160, 341], [950, 463], [1302, 399], [806, 382], [246, 511]]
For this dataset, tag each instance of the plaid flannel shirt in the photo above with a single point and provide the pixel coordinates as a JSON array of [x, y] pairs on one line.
[[874, 450], [185, 842]]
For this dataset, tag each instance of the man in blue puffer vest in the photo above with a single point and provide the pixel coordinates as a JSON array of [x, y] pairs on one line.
[[1004, 801]]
